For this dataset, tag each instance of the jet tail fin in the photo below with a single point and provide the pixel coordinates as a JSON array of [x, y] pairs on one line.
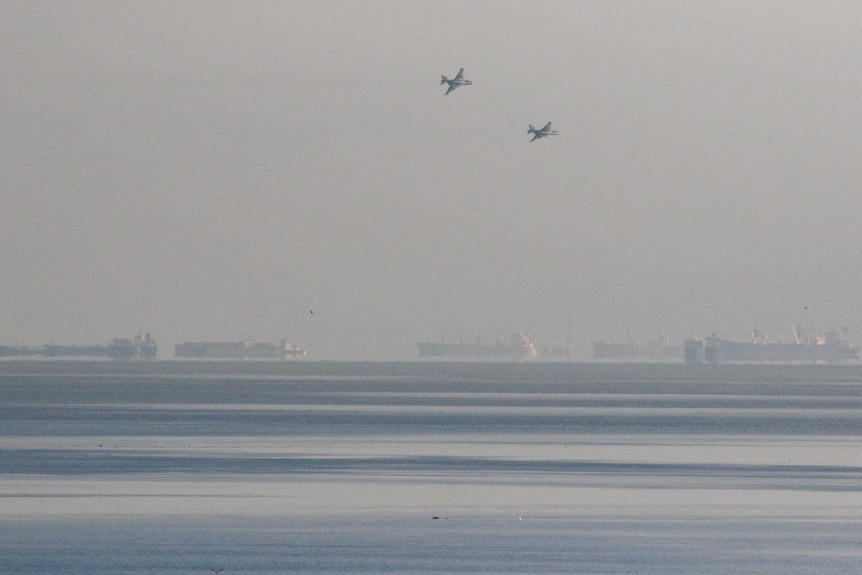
[[443, 80], [531, 129]]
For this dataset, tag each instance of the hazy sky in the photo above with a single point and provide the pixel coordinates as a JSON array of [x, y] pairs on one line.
[[218, 170]]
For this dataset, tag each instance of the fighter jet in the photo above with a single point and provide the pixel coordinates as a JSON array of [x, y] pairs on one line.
[[546, 131], [455, 82]]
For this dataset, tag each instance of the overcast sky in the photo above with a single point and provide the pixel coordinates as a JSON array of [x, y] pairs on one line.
[[220, 170]]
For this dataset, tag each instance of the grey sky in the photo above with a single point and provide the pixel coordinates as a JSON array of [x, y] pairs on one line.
[[215, 170]]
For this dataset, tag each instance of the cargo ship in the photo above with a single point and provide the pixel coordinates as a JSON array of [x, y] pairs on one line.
[[142, 346], [834, 347], [520, 347], [636, 351], [237, 350]]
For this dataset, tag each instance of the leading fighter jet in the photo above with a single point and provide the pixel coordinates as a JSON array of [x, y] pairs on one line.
[[455, 82], [546, 131]]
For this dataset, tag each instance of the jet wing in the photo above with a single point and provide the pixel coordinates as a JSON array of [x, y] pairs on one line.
[[460, 75], [451, 87], [547, 127]]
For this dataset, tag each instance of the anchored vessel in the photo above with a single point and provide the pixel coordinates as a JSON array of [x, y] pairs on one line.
[[142, 346], [834, 347], [237, 350], [520, 347], [636, 351]]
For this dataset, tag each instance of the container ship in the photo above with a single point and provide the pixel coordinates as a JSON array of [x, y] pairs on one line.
[[520, 347], [834, 347], [142, 346], [237, 350]]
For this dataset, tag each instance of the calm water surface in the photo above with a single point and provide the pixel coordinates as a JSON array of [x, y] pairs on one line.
[[187, 467]]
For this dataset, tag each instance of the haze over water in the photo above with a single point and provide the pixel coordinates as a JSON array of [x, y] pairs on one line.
[[172, 467], [215, 171]]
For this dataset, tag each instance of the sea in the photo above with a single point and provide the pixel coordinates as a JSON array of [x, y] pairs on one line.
[[187, 467]]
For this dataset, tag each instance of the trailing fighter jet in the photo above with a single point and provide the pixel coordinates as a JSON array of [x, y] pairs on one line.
[[546, 131], [455, 82]]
